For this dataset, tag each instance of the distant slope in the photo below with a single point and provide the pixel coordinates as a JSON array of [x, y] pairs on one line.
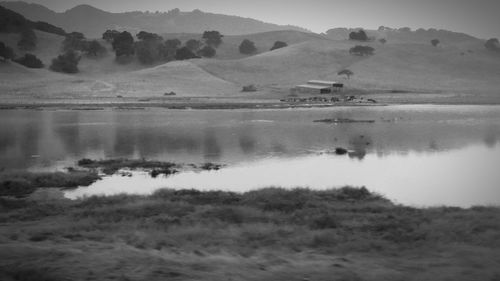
[[405, 35], [175, 21]]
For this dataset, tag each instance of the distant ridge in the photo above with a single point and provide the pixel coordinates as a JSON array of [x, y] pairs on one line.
[[173, 21]]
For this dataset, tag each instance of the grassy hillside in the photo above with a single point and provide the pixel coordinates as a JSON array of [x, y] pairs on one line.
[[465, 67], [263, 41]]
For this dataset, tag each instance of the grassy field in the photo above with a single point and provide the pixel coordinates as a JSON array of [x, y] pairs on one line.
[[268, 234]]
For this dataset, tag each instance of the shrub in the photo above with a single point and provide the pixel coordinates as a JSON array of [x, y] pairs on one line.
[[74, 41], [360, 35], [278, 45], [249, 88], [28, 40], [6, 52], [30, 60], [66, 63], [361, 50], [12, 186], [247, 47], [207, 52], [435, 42], [94, 48], [492, 45], [146, 52], [185, 53], [383, 40], [110, 35], [193, 45]]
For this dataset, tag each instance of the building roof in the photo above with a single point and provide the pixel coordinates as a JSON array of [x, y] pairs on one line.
[[311, 86], [324, 82]]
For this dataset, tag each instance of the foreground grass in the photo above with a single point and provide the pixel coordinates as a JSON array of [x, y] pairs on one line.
[[269, 234]]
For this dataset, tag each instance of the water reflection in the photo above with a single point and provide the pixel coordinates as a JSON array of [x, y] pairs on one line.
[[58, 138], [462, 177]]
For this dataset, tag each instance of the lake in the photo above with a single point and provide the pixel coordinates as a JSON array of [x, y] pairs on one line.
[[422, 155]]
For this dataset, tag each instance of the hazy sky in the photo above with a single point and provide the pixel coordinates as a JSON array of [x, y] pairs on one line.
[[480, 18]]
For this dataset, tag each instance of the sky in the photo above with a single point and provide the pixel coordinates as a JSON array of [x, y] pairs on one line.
[[480, 18]]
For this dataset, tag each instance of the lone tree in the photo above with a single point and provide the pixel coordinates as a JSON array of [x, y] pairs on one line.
[[348, 73], [492, 45], [147, 36], [207, 52], [360, 35], [247, 47], [383, 40], [279, 45], [67, 62], [6, 52], [110, 35], [30, 60], [435, 42], [185, 54], [148, 48], [212, 38], [193, 45], [123, 44], [361, 50], [28, 40]]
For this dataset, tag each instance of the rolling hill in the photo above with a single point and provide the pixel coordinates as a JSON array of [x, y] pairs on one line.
[[407, 63], [174, 21]]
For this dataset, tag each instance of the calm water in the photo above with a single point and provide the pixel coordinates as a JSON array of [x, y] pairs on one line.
[[421, 155]]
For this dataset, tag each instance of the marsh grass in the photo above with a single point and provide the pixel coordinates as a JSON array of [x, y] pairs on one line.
[[22, 183], [277, 221], [111, 166]]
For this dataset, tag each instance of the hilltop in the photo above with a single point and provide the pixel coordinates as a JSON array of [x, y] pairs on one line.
[[174, 21]]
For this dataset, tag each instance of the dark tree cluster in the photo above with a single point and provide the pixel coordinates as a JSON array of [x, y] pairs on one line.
[[279, 45], [152, 48], [30, 60], [76, 41], [247, 47], [435, 42], [66, 63], [492, 45], [361, 50], [110, 35], [359, 35]]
